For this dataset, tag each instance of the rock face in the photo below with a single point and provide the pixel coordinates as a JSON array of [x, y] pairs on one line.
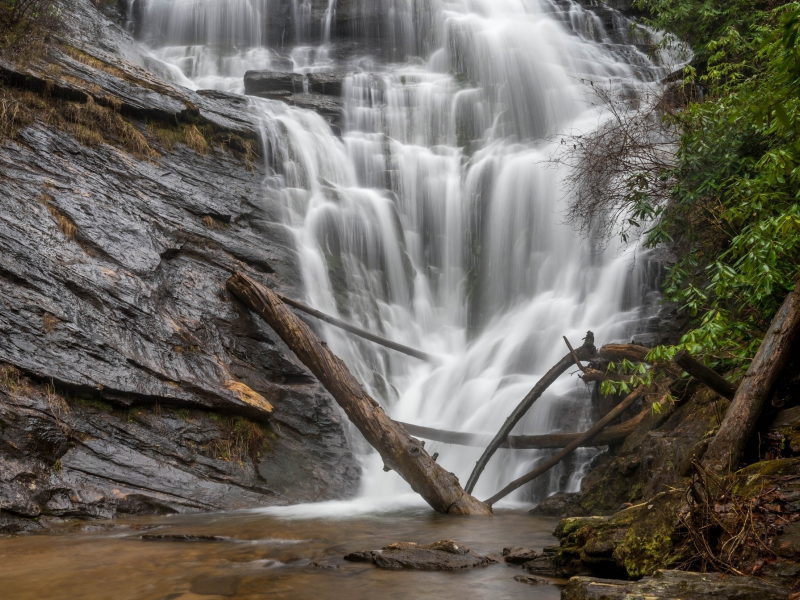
[[115, 245], [323, 95], [674, 585], [444, 555]]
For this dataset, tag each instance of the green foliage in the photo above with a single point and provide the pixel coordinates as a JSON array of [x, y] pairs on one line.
[[733, 218], [24, 22]]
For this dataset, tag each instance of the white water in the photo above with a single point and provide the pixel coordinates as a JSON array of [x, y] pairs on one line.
[[436, 220]]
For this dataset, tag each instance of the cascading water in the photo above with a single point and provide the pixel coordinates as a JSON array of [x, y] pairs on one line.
[[436, 219]]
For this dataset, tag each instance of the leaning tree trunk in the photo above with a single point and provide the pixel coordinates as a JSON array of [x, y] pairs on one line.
[[585, 352], [399, 450], [725, 449]]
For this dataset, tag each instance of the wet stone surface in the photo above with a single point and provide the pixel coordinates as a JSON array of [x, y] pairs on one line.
[[444, 555]]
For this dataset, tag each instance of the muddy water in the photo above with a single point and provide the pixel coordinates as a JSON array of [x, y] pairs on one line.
[[264, 554]]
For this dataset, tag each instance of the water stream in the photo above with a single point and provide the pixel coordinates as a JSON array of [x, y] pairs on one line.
[[437, 219]]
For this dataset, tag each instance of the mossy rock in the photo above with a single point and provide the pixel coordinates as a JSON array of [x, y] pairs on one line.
[[632, 543], [754, 479]]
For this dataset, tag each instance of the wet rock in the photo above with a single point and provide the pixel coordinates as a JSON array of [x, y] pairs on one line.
[[257, 83], [787, 544], [518, 556], [444, 555], [328, 567], [671, 585], [562, 504], [127, 308], [326, 83], [532, 580], [632, 543]]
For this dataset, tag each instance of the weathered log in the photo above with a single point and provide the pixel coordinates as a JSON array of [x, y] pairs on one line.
[[357, 330], [612, 435], [704, 375], [772, 357], [590, 375], [558, 457], [584, 352], [397, 448], [618, 352]]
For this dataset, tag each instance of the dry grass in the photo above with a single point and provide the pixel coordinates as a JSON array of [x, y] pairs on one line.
[[49, 322], [241, 439], [65, 224], [195, 140], [167, 136], [212, 223], [90, 123], [93, 62]]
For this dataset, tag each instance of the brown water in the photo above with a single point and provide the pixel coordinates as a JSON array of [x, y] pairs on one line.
[[264, 554]]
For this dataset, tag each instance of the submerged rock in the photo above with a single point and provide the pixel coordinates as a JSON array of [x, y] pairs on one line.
[[675, 585], [444, 555], [532, 580]]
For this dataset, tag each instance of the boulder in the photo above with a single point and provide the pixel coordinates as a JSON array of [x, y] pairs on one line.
[[674, 585], [266, 83], [326, 83], [518, 556], [444, 555]]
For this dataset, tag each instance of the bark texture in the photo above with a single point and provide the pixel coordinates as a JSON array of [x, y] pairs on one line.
[[585, 352], [705, 375], [399, 450], [739, 423]]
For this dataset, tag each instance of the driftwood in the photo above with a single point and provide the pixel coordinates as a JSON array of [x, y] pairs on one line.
[[739, 423], [705, 375], [584, 352], [399, 450], [618, 352], [612, 435], [583, 439], [357, 330]]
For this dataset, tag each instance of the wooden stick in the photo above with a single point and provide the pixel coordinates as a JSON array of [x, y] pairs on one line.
[[586, 437], [726, 448], [586, 351], [705, 375], [397, 448], [574, 356], [357, 330], [612, 435]]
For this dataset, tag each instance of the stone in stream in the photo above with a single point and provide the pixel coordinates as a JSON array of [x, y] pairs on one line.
[[674, 585], [518, 556], [532, 580], [444, 555]]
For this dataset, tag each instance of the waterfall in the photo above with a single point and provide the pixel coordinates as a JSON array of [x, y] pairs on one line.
[[437, 220]]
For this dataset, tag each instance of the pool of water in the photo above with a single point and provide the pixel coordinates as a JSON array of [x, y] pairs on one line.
[[266, 553]]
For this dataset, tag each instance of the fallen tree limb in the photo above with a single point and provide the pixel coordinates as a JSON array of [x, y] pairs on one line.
[[357, 330], [612, 435], [618, 352], [704, 375], [558, 457], [584, 352], [772, 357], [398, 449]]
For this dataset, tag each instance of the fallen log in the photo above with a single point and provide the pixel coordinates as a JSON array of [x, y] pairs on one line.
[[357, 330], [618, 352], [397, 448], [725, 449], [558, 457], [612, 435], [704, 375], [584, 352]]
